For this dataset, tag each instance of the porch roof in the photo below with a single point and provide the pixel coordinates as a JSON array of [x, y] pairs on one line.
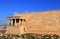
[[13, 17]]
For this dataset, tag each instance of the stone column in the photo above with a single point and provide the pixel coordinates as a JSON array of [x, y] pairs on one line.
[[10, 22], [19, 22], [22, 22], [15, 23]]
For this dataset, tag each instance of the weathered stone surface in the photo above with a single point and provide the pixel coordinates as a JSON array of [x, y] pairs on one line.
[[45, 22]]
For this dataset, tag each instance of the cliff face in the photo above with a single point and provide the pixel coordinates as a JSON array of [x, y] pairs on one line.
[[41, 22]]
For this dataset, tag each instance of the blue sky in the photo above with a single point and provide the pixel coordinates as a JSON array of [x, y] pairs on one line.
[[8, 7]]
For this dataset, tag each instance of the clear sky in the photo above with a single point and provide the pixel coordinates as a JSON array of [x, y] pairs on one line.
[[8, 7]]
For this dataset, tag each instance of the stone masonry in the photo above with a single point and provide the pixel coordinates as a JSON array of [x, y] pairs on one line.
[[44, 22]]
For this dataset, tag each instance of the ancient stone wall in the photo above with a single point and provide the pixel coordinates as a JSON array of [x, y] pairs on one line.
[[42, 22]]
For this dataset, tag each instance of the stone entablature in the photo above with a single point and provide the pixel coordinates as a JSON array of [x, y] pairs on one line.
[[37, 22]]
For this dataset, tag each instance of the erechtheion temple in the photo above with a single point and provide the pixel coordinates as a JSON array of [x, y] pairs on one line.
[[44, 22]]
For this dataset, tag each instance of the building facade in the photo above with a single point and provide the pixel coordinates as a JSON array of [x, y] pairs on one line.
[[44, 22]]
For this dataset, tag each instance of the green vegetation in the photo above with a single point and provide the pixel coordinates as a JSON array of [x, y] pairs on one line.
[[9, 36], [30, 36], [35, 36]]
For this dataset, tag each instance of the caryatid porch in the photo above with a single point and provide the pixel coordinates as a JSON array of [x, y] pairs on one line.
[[16, 25], [15, 21]]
